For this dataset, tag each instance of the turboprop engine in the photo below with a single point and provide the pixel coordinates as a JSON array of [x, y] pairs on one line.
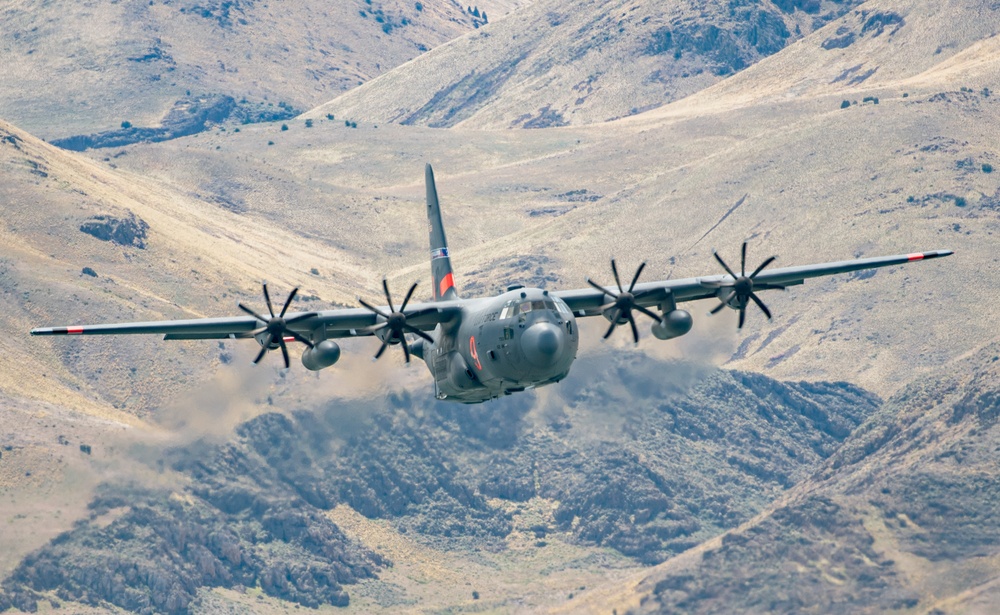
[[322, 355], [674, 323]]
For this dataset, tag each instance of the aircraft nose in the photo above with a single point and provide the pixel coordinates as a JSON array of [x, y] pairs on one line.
[[542, 344]]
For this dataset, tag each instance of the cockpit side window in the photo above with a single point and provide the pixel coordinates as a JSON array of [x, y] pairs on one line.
[[561, 306], [509, 311]]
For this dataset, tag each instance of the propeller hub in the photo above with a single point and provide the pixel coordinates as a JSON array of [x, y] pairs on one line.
[[743, 286], [396, 321], [276, 325], [625, 301]]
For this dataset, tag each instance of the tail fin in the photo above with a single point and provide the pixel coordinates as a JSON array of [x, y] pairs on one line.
[[441, 273]]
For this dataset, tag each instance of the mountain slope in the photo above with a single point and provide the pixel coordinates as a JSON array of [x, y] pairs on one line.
[[822, 182], [553, 63], [633, 461], [81, 68], [902, 517]]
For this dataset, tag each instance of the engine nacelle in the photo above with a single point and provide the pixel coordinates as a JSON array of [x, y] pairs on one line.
[[675, 324], [322, 355]]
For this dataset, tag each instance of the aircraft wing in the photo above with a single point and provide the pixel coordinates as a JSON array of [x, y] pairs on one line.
[[318, 325], [588, 301]]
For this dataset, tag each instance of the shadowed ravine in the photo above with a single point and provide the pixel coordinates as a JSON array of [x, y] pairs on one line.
[[643, 456]]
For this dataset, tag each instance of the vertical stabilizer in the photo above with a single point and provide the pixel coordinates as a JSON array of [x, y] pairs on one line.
[[444, 279]]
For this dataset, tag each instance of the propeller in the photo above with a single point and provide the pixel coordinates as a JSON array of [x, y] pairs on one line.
[[276, 327], [743, 286], [623, 302], [395, 322]]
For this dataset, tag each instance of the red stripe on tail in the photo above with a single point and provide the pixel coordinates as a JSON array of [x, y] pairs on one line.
[[447, 282]]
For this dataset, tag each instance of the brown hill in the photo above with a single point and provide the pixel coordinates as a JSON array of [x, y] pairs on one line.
[[907, 169], [902, 518], [555, 63], [79, 68]]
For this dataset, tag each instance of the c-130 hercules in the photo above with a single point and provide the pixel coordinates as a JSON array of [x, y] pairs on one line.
[[484, 348]]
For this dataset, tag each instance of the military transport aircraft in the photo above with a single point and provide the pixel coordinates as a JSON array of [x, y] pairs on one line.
[[484, 348]]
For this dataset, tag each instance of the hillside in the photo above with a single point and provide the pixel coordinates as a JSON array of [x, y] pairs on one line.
[[523, 501], [901, 518], [554, 63], [913, 171], [353, 484], [80, 68]]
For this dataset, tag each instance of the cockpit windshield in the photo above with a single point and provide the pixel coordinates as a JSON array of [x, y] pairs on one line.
[[513, 308]]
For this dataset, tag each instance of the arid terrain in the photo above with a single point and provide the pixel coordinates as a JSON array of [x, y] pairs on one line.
[[838, 458]]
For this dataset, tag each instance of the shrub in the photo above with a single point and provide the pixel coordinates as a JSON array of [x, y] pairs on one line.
[[960, 201], [420, 6], [284, 126], [987, 167], [270, 142], [329, 116], [126, 124], [845, 104], [309, 123]]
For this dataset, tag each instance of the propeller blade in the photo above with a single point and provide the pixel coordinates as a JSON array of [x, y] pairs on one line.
[[601, 288], [299, 338], [768, 287], [406, 299], [385, 344], [635, 278], [267, 299], [760, 304], [257, 332], [743, 259], [406, 348], [373, 308], [723, 263], [253, 313], [300, 317], [724, 303], [614, 270], [374, 328], [743, 316], [635, 330], [649, 313], [762, 265], [263, 349], [284, 352], [388, 297], [418, 332], [288, 301], [614, 323], [608, 306], [712, 283]]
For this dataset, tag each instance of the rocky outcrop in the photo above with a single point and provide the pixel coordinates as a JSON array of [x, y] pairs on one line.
[[187, 117], [127, 231]]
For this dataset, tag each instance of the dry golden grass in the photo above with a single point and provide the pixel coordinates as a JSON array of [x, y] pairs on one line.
[[72, 68]]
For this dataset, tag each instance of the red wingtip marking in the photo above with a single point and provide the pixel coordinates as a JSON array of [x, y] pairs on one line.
[[915, 257], [447, 282], [74, 330]]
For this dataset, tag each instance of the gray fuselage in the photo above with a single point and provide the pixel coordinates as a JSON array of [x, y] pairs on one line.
[[521, 339]]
